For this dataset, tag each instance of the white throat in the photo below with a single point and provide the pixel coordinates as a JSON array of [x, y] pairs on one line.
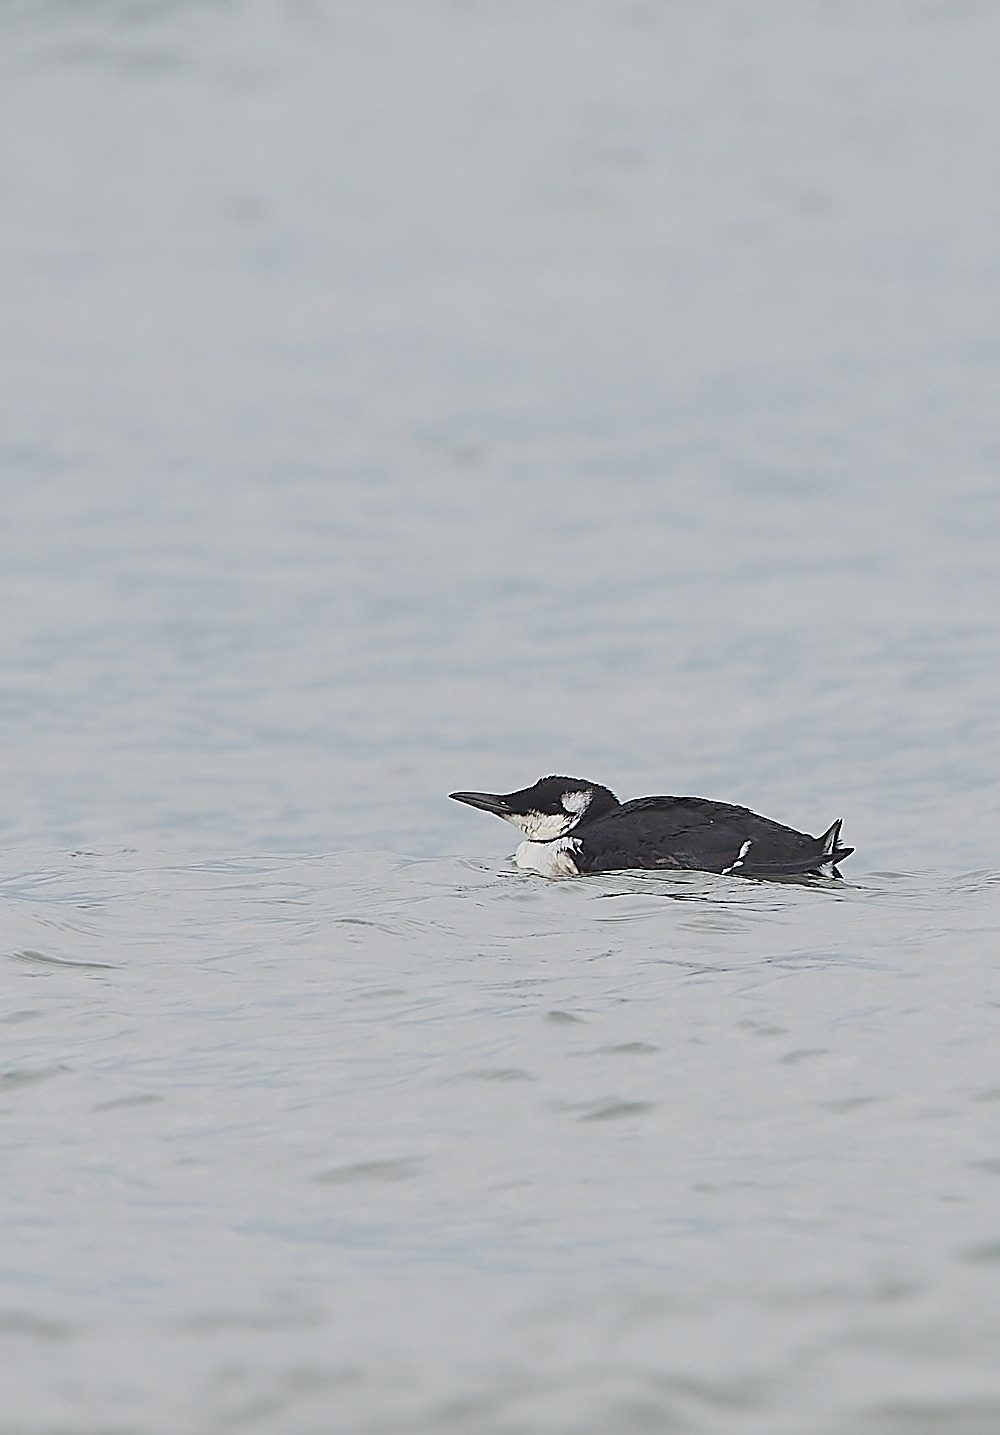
[[548, 826], [548, 859], [544, 826]]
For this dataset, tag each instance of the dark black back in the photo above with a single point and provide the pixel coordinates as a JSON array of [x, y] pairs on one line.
[[695, 833]]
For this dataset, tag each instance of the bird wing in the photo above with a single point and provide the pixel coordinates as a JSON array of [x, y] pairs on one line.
[[695, 833]]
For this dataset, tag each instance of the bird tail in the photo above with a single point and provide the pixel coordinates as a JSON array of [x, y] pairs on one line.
[[832, 850], [821, 864]]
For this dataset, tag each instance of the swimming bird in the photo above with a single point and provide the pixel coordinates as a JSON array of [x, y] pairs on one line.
[[574, 826]]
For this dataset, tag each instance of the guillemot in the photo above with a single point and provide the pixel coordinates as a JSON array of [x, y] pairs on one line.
[[574, 826]]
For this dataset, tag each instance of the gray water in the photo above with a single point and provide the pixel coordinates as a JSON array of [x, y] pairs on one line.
[[406, 397]]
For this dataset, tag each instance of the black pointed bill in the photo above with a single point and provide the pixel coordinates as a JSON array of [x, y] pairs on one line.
[[488, 801]]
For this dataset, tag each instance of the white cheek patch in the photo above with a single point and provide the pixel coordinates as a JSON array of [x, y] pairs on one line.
[[542, 826], [577, 802]]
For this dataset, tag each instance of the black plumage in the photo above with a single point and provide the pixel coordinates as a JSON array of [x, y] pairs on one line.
[[578, 826], [693, 832]]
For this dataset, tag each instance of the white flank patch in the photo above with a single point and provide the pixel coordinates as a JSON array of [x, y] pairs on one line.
[[548, 859], [739, 861]]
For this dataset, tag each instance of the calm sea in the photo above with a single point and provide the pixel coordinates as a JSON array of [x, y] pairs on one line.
[[403, 397]]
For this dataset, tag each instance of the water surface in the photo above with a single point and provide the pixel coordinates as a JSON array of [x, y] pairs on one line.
[[406, 398]]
